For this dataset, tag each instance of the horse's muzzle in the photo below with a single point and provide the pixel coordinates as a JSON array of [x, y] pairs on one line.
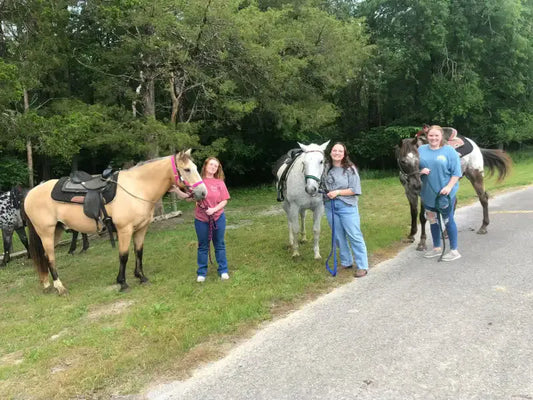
[[199, 192]]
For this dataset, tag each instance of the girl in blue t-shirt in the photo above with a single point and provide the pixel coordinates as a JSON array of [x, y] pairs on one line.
[[440, 169]]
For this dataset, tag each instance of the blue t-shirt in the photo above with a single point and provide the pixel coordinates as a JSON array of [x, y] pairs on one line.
[[443, 163]]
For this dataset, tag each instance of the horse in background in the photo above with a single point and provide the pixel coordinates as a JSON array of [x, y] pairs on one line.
[[473, 161], [11, 221], [298, 177], [134, 194]]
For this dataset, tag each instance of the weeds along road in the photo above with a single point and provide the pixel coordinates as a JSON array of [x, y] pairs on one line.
[[412, 329]]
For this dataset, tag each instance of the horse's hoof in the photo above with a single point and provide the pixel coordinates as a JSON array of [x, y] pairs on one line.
[[421, 247], [62, 291], [48, 289], [124, 288], [408, 239], [319, 257], [144, 281], [295, 255], [482, 231], [304, 240]]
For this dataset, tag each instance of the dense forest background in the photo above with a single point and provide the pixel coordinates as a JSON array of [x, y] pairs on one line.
[[88, 83]]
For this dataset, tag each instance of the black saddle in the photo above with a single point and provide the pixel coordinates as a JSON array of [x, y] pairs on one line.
[[94, 192], [287, 159], [465, 149]]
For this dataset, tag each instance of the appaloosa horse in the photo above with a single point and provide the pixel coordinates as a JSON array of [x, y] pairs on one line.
[[299, 177], [11, 221], [473, 161]]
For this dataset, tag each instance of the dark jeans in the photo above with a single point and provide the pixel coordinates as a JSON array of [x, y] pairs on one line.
[[202, 232]]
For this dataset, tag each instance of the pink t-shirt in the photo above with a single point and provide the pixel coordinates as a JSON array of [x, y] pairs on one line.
[[216, 192]]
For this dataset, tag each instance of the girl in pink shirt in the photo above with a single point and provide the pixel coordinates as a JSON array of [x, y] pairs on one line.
[[210, 220]]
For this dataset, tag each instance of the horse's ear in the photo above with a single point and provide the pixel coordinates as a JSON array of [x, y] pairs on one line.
[[324, 146], [188, 152], [302, 146]]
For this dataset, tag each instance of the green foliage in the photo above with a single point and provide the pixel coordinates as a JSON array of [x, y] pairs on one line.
[[375, 149], [12, 172]]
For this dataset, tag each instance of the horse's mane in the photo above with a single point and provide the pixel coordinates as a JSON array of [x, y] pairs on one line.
[[182, 156]]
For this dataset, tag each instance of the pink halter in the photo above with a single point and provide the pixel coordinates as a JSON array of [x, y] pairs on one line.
[[178, 178]]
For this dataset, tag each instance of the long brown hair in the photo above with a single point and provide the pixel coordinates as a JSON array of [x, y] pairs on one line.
[[346, 163], [220, 172]]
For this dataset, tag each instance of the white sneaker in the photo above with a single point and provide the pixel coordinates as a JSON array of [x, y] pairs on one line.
[[200, 278], [224, 276], [433, 253], [451, 255]]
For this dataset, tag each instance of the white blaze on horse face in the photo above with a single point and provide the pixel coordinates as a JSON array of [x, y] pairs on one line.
[[313, 163]]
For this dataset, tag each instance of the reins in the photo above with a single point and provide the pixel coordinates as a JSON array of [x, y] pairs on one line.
[[333, 251], [440, 218]]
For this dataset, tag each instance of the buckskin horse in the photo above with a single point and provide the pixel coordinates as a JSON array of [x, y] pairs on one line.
[[473, 161], [135, 191]]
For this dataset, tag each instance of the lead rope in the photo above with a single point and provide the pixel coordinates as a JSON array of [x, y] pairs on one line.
[[333, 251], [212, 226], [440, 218]]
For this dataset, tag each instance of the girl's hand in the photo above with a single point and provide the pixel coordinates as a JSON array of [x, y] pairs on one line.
[[445, 190], [425, 171], [210, 211], [333, 194]]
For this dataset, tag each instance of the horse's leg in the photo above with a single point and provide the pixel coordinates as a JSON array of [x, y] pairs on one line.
[[422, 244], [72, 248], [49, 238], [138, 241], [124, 238], [85, 241], [21, 232], [413, 206], [7, 236], [476, 179], [317, 217], [303, 237], [292, 218]]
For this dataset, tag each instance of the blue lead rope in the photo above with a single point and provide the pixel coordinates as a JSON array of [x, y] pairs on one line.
[[333, 271]]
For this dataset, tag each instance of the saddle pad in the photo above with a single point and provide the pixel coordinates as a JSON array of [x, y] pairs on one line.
[[465, 148], [108, 193]]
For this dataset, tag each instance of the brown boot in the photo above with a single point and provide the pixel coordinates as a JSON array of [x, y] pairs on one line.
[[359, 273]]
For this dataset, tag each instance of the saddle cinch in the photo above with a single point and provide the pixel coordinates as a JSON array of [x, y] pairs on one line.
[[93, 192]]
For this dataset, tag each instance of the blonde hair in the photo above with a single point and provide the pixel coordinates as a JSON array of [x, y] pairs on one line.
[[438, 128], [219, 174]]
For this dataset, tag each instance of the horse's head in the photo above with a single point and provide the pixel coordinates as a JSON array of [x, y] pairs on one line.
[[313, 165], [408, 162], [189, 178]]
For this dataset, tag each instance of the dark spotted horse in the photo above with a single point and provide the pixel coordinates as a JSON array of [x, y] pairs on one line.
[[11, 221], [473, 161], [126, 200]]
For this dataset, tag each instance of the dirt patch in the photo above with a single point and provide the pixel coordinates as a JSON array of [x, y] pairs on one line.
[[12, 358], [110, 309]]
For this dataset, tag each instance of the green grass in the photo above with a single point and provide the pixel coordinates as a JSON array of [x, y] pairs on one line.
[[96, 342]]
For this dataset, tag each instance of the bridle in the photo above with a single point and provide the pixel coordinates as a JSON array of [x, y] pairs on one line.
[[403, 174], [315, 178], [178, 179]]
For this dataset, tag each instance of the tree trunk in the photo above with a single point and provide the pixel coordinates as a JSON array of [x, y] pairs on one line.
[[29, 149]]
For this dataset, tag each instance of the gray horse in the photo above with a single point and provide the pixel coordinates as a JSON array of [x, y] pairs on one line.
[[299, 175]]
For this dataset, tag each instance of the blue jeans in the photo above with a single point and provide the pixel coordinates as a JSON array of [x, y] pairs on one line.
[[202, 232], [449, 222], [348, 233]]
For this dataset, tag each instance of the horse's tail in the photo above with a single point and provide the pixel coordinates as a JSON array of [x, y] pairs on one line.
[[35, 247], [497, 160]]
